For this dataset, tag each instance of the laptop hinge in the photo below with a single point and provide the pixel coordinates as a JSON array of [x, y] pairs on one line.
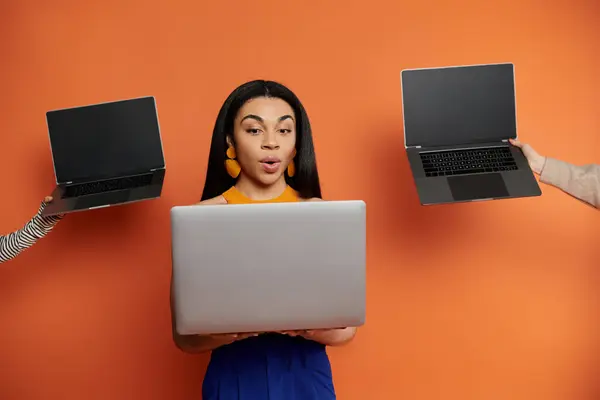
[[104, 179], [418, 147]]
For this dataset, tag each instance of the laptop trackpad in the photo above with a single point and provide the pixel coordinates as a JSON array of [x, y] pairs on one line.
[[103, 199], [477, 187]]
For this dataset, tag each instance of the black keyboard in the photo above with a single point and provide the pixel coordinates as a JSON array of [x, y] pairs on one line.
[[468, 161], [85, 189]]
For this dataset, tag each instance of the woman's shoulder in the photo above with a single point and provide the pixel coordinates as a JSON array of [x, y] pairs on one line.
[[214, 201]]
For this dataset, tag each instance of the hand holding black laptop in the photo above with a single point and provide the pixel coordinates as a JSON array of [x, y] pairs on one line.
[[14, 243], [536, 161], [580, 181], [458, 121]]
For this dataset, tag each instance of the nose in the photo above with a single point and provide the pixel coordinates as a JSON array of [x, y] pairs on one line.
[[270, 142]]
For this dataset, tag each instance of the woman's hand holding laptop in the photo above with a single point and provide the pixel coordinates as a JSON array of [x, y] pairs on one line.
[[536, 161], [580, 181], [227, 338], [13, 244], [328, 337]]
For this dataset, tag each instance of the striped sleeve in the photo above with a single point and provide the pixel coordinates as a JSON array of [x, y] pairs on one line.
[[13, 244]]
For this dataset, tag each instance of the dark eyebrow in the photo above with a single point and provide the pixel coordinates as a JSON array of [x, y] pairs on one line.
[[259, 119], [252, 116], [286, 117]]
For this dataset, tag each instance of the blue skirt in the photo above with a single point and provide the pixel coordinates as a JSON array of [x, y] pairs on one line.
[[269, 367]]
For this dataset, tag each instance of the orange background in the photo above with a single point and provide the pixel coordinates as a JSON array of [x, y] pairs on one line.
[[491, 300]]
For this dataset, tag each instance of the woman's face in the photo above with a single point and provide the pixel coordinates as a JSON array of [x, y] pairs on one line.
[[265, 138]]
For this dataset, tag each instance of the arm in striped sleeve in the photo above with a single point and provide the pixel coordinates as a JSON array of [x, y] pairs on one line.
[[13, 244]]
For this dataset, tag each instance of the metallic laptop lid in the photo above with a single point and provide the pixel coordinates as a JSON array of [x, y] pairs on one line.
[[457, 105], [268, 267]]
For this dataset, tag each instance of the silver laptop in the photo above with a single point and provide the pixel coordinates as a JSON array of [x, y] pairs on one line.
[[268, 267]]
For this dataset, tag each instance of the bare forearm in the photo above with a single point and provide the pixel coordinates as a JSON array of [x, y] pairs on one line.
[[198, 344], [332, 337]]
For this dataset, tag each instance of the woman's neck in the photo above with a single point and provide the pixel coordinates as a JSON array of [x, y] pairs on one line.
[[257, 192]]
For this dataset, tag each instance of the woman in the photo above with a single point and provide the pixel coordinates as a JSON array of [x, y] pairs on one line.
[[13, 244], [262, 151], [581, 182]]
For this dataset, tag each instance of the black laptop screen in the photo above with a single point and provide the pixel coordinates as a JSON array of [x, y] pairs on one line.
[[105, 140], [459, 105]]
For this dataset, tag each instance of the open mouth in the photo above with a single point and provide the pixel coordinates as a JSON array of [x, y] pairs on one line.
[[270, 164]]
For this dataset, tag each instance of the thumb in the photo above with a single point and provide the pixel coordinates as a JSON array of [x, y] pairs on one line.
[[515, 142]]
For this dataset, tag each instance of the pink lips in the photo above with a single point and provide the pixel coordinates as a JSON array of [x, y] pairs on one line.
[[270, 164]]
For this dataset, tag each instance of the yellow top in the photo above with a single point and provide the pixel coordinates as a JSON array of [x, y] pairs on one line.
[[234, 196]]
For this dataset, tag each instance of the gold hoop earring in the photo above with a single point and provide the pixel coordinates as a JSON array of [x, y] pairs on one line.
[[231, 165]]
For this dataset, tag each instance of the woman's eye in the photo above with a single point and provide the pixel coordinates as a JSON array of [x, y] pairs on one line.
[[285, 131], [253, 131]]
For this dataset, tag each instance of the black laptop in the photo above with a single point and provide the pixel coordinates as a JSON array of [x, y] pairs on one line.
[[457, 122], [105, 154]]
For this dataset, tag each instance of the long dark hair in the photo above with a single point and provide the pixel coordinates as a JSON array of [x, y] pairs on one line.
[[306, 178]]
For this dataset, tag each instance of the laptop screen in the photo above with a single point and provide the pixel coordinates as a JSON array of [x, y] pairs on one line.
[[459, 105], [105, 140]]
